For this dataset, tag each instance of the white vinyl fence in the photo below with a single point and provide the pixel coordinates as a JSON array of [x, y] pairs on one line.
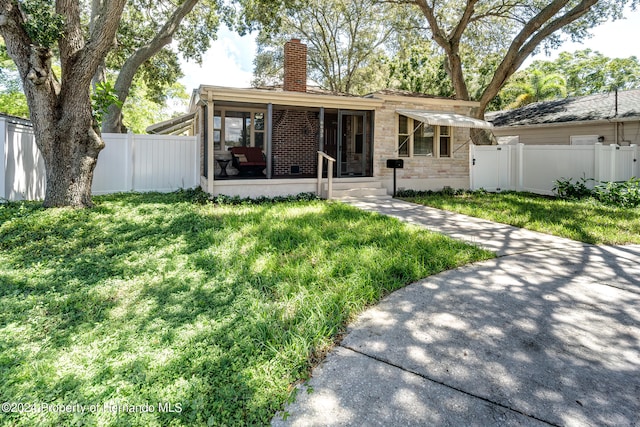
[[535, 168], [127, 163]]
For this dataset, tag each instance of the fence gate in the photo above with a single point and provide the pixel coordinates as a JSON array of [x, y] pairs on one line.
[[490, 167]]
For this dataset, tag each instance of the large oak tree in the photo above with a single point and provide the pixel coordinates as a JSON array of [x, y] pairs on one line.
[[60, 106], [504, 33], [81, 34]]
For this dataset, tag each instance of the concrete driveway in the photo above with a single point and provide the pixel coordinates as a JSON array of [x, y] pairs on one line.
[[548, 333]]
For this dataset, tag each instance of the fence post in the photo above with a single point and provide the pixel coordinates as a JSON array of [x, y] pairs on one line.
[[613, 161], [520, 166], [3, 159], [597, 151], [472, 155], [130, 160]]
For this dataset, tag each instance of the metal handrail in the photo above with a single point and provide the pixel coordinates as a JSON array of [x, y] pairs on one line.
[[330, 164]]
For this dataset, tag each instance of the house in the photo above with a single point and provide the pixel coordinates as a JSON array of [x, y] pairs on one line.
[[608, 118], [293, 123]]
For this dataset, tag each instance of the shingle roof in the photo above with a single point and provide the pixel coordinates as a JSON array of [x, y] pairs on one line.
[[600, 106], [407, 93]]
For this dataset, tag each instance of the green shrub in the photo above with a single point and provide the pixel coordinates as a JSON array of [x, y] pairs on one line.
[[624, 194], [263, 200], [565, 188]]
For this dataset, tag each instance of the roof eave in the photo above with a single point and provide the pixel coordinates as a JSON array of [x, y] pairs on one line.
[[171, 125], [294, 99]]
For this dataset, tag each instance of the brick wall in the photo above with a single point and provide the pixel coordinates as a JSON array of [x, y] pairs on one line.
[[295, 142], [295, 66]]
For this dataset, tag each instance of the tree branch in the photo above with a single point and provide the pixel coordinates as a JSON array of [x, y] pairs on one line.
[[528, 39], [16, 38], [144, 53], [456, 34], [102, 36], [111, 122]]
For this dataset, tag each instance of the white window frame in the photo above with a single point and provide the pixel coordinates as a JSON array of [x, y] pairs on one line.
[[412, 127]]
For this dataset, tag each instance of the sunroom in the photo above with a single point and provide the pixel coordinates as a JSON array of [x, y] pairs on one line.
[[288, 129]]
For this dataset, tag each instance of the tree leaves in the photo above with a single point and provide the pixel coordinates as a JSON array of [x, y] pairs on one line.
[[103, 97], [43, 25], [538, 86], [584, 72], [345, 40]]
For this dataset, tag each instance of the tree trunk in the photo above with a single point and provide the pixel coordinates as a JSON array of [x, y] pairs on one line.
[[112, 120], [70, 158], [69, 142]]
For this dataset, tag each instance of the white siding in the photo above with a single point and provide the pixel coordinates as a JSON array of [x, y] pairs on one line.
[[628, 133]]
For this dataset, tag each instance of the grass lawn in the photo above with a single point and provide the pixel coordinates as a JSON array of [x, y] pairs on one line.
[[585, 220], [215, 310]]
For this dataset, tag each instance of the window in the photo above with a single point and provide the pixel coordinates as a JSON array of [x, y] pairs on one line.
[[423, 140], [416, 139], [403, 136], [445, 141], [217, 130], [258, 130], [239, 128]]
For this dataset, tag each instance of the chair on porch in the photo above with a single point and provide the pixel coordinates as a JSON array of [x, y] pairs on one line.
[[248, 160]]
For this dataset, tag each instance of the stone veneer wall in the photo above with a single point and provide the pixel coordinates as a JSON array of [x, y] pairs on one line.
[[421, 173], [295, 142]]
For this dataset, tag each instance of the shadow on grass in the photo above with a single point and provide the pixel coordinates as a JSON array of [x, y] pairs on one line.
[[153, 300], [585, 221]]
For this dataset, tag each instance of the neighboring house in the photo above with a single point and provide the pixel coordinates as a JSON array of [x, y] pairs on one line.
[[290, 125], [608, 118]]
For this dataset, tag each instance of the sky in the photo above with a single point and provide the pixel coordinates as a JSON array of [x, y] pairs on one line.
[[229, 61]]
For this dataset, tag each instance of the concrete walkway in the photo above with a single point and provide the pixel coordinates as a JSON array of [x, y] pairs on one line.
[[548, 333]]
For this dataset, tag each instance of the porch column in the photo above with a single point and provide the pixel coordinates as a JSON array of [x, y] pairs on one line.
[[321, 130], [269, 140], [211, 168], [201, 132]]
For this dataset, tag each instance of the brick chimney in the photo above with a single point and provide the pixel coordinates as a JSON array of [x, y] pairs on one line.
[[295, 66]]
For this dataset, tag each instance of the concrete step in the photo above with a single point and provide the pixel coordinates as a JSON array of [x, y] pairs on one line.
[[359, 192], [341, 184]]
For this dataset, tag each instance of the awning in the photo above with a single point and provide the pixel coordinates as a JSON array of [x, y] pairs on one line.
[[174, 126], [441, 118]]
